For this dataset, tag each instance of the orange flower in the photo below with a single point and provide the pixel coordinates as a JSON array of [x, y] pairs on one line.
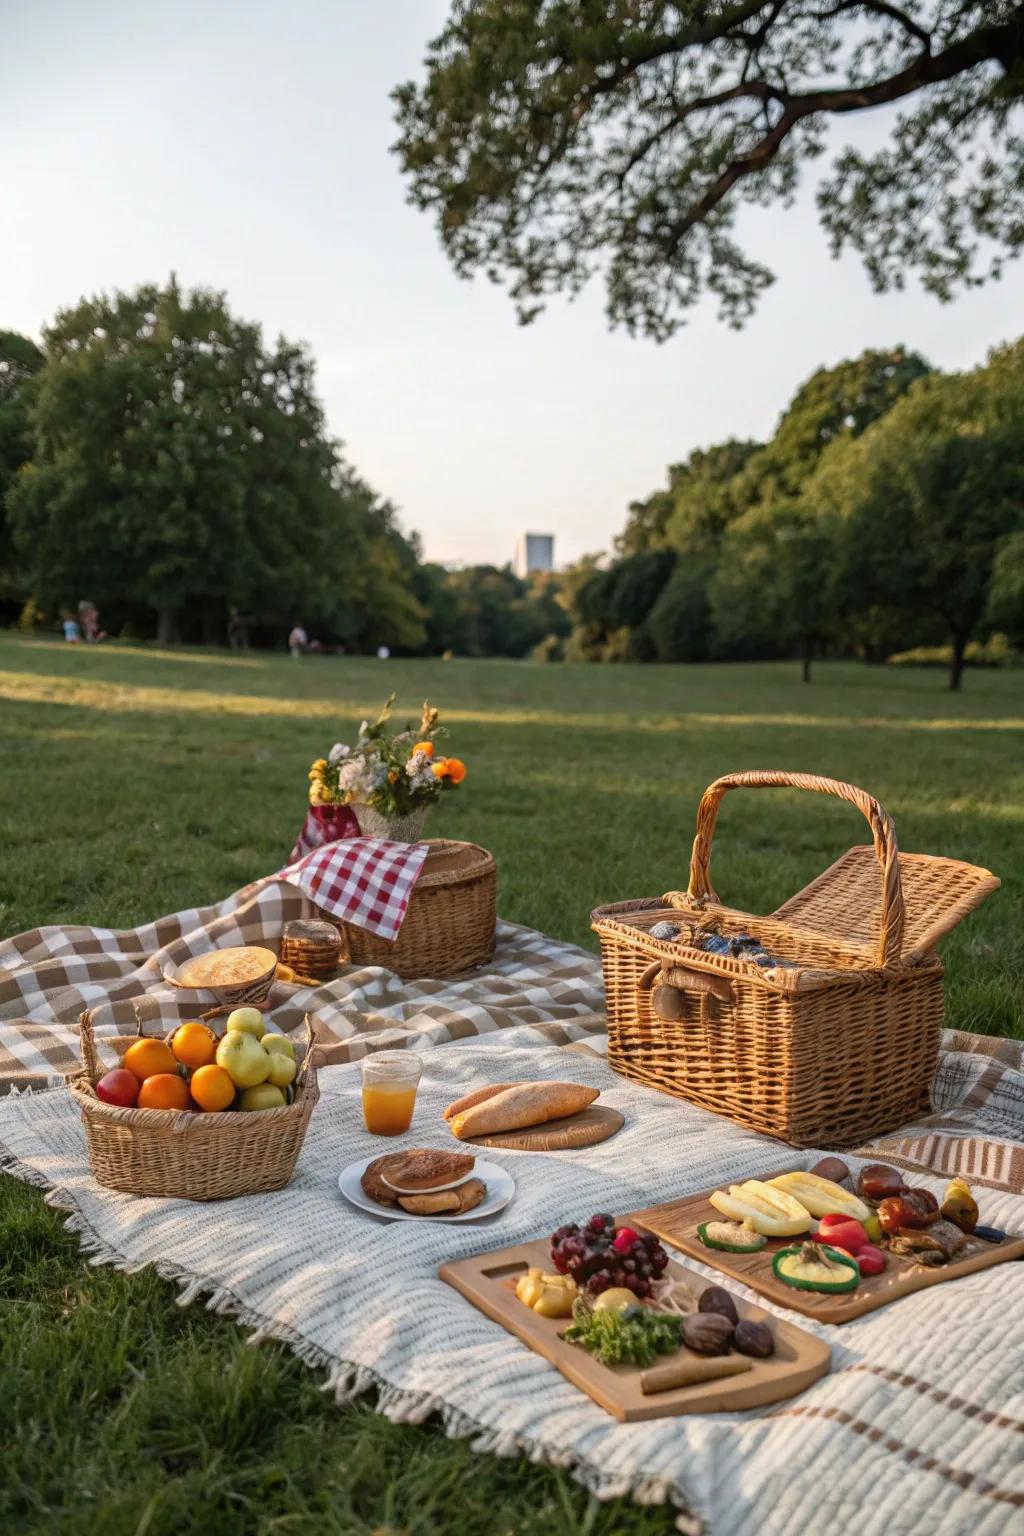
[[456, 770], [426, 747], [441, 768]]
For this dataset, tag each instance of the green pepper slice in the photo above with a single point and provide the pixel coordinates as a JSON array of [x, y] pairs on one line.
[[828, 1287], [710, 1242]]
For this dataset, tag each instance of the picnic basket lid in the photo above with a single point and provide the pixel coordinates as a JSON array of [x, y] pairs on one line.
[[897, 904]]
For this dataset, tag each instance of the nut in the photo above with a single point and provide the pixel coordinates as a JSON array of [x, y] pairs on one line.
[[708, 1333], [717, 1299], [754, 1339]]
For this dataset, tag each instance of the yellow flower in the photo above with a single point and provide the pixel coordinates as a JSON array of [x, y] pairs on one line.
[[320, 765]]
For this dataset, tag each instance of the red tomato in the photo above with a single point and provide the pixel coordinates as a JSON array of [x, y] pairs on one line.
[[842, 1232], [871, 1260], [119, 1087]]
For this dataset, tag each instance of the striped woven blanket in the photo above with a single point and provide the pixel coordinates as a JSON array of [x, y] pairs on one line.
[[919, 1425]]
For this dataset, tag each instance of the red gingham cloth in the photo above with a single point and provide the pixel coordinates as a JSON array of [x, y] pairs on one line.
[[323, 824], [363, 880]]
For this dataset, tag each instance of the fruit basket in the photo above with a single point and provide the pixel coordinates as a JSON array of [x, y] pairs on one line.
[[818, 1024], [451, 920], [186, 1154]]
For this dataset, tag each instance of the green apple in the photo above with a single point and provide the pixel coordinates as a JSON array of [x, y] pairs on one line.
[[279, 1044], [247, 1021], [282, 1070], [265, 1096], [243, 1059]]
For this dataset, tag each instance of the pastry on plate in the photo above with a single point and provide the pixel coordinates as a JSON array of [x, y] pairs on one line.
[[372, 1181], [426, 1169], [445, 1202]]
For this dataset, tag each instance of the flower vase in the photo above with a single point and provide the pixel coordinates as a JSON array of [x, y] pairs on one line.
[[398, 829]]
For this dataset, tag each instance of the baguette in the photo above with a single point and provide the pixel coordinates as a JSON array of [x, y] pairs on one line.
[[476, 1097], [523, 1105]]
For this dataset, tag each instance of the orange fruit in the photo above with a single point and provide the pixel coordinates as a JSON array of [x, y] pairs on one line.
[[164, 1090], [148, 1057], [194, 1045], [212, 1088]]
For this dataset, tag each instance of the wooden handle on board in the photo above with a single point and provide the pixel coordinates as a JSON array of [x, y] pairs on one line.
[[690, 1371], [883, 835]]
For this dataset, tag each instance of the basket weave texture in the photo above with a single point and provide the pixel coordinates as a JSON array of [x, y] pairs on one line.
[[838, 1047], [188, 1155], [450, 923]]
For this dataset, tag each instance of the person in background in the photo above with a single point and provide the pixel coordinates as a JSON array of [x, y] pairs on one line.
[[238, 632], [89, 618], [298, 640], [72, 633]]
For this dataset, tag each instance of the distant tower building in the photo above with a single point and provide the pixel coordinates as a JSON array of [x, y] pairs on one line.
[[535, 552]]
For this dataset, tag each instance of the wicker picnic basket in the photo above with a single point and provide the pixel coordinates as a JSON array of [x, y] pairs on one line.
[[837, 1044], [190, 1156], [450, 923]]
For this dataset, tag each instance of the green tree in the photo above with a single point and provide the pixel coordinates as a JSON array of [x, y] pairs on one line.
[[942, 488], [773, 581], [551, 138], [181, 463], [20, 361], [1006, 595]]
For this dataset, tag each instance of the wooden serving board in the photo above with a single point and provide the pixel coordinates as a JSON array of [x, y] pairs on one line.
[[489, 1282], [584, 1129], [676, 1222]]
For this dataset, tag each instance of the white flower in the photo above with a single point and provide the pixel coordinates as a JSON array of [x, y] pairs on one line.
[[364, 729], [337, 752], [350, 775], [377, 777], [414, 766]]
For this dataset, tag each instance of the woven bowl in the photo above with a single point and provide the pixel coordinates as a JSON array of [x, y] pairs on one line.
[[233, 994], [190, 1155]]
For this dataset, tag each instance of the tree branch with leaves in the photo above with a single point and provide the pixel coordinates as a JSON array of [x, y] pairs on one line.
[[551, 138]]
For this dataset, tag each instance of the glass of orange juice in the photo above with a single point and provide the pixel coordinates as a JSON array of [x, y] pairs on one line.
[[390, 1080]]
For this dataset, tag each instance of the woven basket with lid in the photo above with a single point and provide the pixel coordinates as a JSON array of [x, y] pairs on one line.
[[450, 923], [836, 1047]]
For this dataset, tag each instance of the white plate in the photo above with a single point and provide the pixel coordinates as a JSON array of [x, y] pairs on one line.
[[500, 1189]]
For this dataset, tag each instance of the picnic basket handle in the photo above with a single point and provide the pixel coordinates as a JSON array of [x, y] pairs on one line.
[[87, 1045], [883, 835]]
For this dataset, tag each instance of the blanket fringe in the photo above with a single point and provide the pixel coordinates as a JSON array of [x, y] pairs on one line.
[[348, 1380]]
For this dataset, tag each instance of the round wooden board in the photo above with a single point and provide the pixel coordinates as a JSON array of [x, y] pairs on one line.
[[586, 1129]]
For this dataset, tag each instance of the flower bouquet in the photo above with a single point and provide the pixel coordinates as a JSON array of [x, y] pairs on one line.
[[389, 781]]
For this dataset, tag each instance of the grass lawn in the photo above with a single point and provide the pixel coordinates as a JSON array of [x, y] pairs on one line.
[[136, 782]]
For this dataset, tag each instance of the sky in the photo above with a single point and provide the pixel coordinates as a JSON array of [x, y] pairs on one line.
[[246, 148]]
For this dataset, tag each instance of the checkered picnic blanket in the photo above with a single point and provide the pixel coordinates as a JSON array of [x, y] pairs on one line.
[[49, 975], [363, 880], [917, 1426]]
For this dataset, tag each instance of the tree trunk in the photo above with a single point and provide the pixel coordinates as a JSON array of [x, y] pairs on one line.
[[808, 656], [167, 624], [956, 666]]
